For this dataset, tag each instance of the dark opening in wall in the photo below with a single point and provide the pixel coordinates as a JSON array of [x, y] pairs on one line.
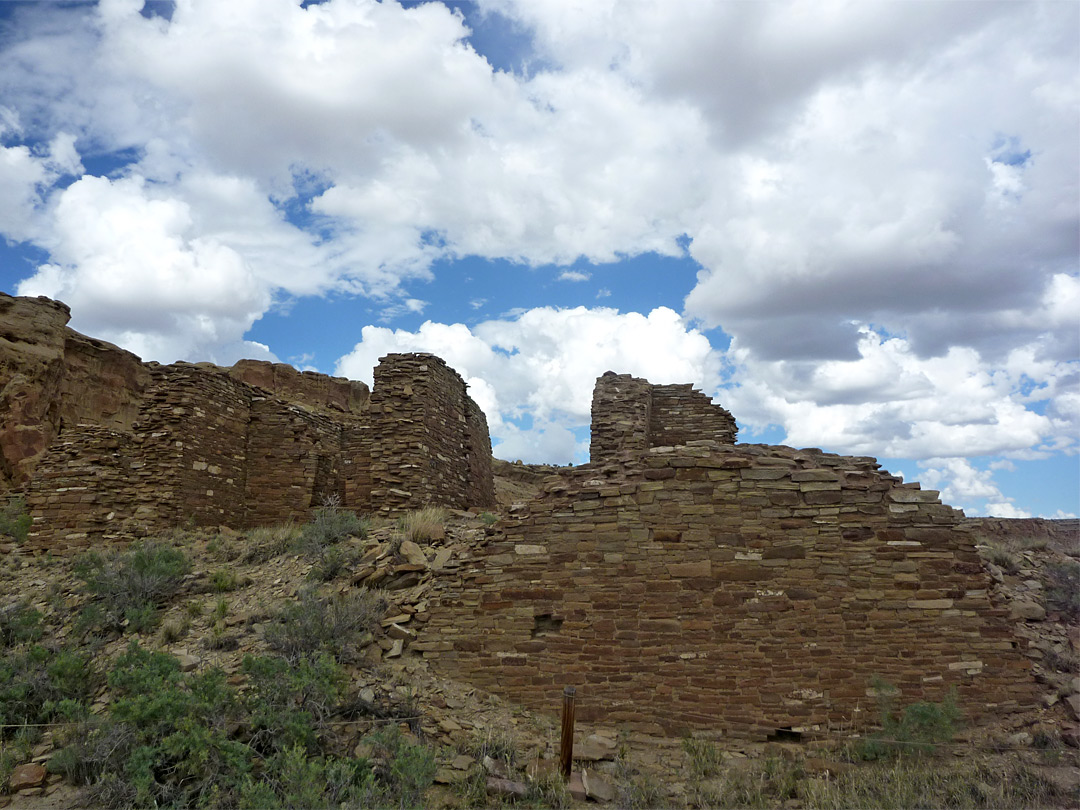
[[545, 623], [785, 735]]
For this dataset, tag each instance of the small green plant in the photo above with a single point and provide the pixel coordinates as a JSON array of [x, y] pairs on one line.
[[141, 618], [221, 610], [130, 586], [336, 624], [422, 525], [488, 518], [549, 790], [405, 770], [497, 743], [14, 520], [19, 623], [224, 580]]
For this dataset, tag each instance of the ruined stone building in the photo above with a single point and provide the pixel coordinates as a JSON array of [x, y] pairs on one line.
[[106, 446], [681, 580]]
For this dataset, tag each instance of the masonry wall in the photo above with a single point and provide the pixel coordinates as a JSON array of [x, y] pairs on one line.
[[679, 415], [426, 437], [630, 416], [479, 475], [293, 462], [621, 414], [207, 448], [737, 589]]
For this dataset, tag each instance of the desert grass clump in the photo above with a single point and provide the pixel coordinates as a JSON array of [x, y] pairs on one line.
[[422, 525], [768, 783], [1063, 589], [266, 543], [335, 624], [905, 783], [636, 790], [494, 742], [130, 586], [703, 758], [224, 580], [1004, 560]]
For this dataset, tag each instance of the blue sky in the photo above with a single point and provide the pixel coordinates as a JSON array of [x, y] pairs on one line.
[[854, 224]]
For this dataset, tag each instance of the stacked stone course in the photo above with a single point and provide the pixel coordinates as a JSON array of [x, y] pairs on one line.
[[739, 589]]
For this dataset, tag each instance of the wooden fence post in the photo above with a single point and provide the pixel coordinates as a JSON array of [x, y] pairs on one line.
[[566, 749]]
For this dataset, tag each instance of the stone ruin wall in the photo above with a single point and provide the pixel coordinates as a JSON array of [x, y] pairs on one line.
[[428, 436], [630, 416], [105, 447], [739, 589]]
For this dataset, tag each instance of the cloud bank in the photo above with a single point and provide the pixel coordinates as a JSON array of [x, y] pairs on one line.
[[881, 199]]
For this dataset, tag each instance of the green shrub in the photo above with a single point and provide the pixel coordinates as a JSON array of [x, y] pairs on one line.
[[335, 624], [130, 586], [330, 525], [165, 741], [19, 623], [289, 702], [331, 562], [489, 518], [14, 520], [41, 684], [405, 770], [916, 731]]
